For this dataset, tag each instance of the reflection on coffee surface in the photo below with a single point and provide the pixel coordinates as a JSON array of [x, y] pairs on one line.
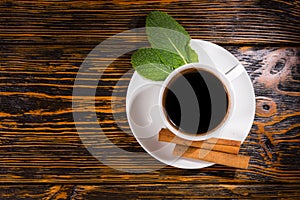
[[195, 101]]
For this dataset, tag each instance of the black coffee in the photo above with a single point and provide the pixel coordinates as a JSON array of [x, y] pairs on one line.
[[195, 101]]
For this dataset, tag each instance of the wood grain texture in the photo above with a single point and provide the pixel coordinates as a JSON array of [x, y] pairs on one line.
[[149, 191], [77, 22], [39, 141], [42, 45]]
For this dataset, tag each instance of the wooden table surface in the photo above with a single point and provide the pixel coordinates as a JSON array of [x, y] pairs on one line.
[[43, 44]]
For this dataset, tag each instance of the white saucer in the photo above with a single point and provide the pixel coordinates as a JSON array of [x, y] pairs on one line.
[[145, 122]]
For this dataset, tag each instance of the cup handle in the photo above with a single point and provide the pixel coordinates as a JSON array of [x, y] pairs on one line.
[[235, 72]]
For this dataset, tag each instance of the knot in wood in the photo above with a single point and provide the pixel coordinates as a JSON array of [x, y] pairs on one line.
[[265, 107]]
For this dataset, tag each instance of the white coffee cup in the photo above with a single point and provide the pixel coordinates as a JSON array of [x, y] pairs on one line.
[[225, 79]]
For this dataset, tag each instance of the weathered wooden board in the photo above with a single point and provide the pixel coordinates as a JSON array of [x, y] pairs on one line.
[[42, 45], [78, 22], [39, 141], [149, 191]]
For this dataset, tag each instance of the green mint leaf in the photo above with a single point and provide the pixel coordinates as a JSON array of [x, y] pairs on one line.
[[149, 65], [163, 20], [165, 33], [168, 40], [170, 44], [170, 59]]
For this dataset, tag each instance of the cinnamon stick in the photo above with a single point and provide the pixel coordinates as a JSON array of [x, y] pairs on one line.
[[223, 145], [231, 160]]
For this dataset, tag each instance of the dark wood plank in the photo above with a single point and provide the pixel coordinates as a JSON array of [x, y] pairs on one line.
[[53, 192], [77, 22], [149, 191], [39, 141]]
